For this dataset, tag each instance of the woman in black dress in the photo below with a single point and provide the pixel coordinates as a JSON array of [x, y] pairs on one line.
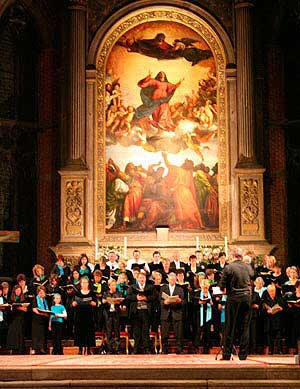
[[105, 269], [84, 267], [84, 326], [272, 307], [40, 321], [62, 270], [294, 308], [38, 279], [16, 330]]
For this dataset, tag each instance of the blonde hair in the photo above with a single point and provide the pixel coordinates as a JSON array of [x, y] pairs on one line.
[[204, 283], [111, 280], [36, 267], [259, 279], [122, 275], [271, 260]]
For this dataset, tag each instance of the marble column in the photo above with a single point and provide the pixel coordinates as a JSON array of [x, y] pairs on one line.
[[75, 180], [245, 78], [248, 214], [76, 140]]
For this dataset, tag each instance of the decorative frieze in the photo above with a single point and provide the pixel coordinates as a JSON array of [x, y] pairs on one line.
[[249, 206], [74, 208], [250, 213]]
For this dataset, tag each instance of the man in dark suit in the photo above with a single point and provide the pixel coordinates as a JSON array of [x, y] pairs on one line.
[[156, 265], [171, 312], [236, 280], [176, 263], [140, 297]]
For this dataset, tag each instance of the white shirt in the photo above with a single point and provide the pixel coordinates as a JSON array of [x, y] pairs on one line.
[[132, 261], [177, 264], [172, 288], [91, 266], [1, 312], [141, 287], [112, 265]]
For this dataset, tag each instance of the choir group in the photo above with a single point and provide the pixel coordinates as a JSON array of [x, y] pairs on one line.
[[144, 296]]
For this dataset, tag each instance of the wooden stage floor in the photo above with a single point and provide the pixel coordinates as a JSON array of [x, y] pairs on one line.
[[147, 371]]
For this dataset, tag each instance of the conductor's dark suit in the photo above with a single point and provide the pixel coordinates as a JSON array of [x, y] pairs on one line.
[[171, 313], [237, 281]]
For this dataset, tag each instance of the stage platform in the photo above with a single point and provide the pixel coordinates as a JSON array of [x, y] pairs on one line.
[[147, 371]]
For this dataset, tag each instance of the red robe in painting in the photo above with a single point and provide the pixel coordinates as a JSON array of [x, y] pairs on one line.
[[161, 90], [133, 199], [180, 183], [212, 208]]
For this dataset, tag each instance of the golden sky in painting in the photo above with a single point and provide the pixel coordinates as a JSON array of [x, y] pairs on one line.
[[131, 67]]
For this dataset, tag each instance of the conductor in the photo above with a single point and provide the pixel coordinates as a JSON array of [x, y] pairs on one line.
[[237, 282]]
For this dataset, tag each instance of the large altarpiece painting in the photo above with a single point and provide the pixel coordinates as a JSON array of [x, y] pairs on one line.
[[161, 133]]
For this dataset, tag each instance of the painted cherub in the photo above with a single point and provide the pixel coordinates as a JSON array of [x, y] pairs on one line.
[[125, 123]]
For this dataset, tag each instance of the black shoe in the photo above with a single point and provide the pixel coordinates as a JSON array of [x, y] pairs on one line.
[[242, 357], [179, 351], [80, 351], [225, 358]]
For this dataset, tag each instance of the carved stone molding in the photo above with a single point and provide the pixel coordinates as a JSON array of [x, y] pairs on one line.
[[73, 206], [243, 3], [251, 205], [80, 5], [162, 13]]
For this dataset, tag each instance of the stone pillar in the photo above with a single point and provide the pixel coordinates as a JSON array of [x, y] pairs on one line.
[[75, 180], [244, 52], [248, 213], [276, 165], [76, 146], [45, 149]]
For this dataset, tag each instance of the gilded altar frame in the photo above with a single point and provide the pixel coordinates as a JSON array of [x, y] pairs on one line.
[[207, 31]]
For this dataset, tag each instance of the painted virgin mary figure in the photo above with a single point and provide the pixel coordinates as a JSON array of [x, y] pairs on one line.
[[156, 94]]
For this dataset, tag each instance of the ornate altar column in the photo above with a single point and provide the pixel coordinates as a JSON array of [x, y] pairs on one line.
[[248, 217], [75, 180]]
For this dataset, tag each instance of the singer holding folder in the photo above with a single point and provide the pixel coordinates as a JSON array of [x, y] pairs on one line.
[[172, 300], [141, 297]]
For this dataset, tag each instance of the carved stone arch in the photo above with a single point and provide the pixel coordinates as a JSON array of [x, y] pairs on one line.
[[212, 32]]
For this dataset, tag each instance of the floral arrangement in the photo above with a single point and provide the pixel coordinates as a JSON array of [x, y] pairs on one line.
[[208, 251], [103, 251]]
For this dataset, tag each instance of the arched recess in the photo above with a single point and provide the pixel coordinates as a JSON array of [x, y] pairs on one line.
[[212, 32], [41, 22]]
